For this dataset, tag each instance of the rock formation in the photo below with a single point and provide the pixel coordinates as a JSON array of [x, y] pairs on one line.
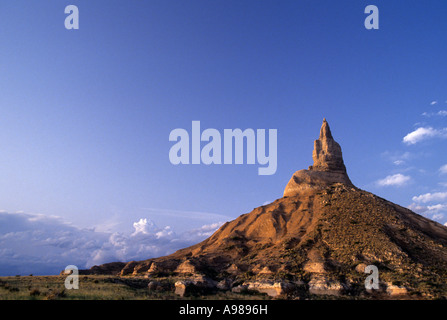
[[327, 154], [317, 239], [328, 167]]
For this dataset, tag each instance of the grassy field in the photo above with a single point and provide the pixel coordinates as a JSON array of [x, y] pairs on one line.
[[95, 288]]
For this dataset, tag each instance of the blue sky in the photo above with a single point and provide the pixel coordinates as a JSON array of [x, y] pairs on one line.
[[85, 115]]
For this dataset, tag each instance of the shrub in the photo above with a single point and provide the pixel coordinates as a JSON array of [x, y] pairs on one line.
[[34, 292]]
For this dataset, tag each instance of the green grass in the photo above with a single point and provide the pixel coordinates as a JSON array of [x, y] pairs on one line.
[[53, 287], [96, 288]]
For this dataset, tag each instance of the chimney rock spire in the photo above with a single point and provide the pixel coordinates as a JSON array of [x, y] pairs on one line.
[[327, 153], [328, 167]]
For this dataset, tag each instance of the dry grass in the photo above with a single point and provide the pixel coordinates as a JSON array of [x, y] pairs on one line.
[[95, 288]]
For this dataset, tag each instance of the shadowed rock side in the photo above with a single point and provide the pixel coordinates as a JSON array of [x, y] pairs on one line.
[[317, 239]]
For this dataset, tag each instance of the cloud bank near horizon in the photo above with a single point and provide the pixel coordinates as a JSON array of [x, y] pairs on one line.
[[40, 244]]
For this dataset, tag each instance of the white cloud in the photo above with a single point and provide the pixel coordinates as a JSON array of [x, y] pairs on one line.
[[433, 103], [437, 207], [204, 231], [438, 216], [417, 208], [434, 212], [398, 158], [441, 113], [418, 135], [429, 197], [424, 133], [443, 169], [41, 244], [144, 226], [394, 180]]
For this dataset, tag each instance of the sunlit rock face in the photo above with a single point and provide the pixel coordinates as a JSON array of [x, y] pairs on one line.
[[328, 167]]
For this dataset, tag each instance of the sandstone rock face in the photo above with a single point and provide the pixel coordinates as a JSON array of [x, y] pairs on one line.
[[259, 269], [163, 266], [307, 180], [393, 290], [154, 268], [186, 267], [224, 284], [328, 167], [141, 268], [273, 289], [233, 269], [319, 284], [314, 267], [240, 288], [180, 287], [129, 268], [198, 283], [315, 264], [327, 154], [361, 268]]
